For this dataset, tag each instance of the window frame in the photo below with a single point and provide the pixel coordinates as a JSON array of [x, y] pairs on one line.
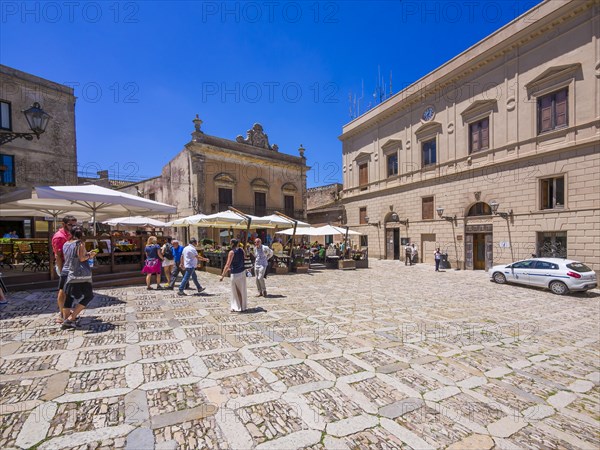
[[387, 165], [480, 137], [555, 205], [362, 214], [13, 181], [286, 210], [363, 185], [423, 202], [219, 203], [9, 107], [423, 144], [260, 209], [553, 111]]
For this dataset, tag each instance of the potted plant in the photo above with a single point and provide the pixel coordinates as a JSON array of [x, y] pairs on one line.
[[299, 266], [281, 268]]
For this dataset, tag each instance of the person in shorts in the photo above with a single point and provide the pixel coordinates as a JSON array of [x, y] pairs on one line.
[[81, 292], [58, 241], [168, 260]]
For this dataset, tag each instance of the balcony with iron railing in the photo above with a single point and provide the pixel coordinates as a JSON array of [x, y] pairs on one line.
[[258, 211]]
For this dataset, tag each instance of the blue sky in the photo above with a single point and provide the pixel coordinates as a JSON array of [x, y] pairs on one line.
[[142, 70]]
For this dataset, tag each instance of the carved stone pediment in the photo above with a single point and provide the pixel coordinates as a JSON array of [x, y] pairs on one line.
[[256, 137]]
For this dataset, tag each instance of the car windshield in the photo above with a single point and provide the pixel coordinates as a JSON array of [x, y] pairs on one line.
[[579, 267]]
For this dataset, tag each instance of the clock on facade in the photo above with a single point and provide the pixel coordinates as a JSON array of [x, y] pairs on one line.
[[428, 114]]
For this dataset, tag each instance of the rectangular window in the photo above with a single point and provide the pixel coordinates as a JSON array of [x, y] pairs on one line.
[[362, 214], [427, 208], [553, 193], [152, 196], [552, 244], [260, 204], [5, 122], [552, 111], [429, 152], [288, 207], [364, 240], [225, 199], [392, 165], [363, 175], [7, 170], [479, 133]]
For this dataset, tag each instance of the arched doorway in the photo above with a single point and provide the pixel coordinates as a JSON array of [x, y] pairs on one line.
[[479, 242]]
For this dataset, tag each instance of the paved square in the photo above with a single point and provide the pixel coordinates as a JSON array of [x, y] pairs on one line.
[[389, 357]]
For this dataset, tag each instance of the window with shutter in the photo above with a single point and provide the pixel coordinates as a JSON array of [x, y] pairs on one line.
[[552, 193], [260, 204], [362, 214], [225, 199], [553, 111], [289, 205], [428, 153], [479, 132], [363, 174], [427, 208]]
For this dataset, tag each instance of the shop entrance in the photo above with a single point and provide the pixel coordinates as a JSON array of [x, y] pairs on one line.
[[392, 240], [479, 247]]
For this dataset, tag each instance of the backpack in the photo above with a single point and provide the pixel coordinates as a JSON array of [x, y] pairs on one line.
[[168, 253]]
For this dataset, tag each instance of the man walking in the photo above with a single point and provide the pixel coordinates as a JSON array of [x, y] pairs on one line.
[[262, 253], [177, 252], [188, 263], [414, 254], [408, 255], [58, 240]]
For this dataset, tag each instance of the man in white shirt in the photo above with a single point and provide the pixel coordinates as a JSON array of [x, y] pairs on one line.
[[262, 253], [188, 263]]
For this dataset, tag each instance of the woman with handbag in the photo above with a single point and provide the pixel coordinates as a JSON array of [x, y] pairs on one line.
[[79, 278], [153, 265]]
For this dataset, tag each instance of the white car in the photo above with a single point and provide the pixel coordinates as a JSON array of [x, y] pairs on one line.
[[558, 275]]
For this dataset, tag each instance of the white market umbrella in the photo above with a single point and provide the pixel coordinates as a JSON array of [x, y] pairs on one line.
[[135, 221], [90, 199], [185, 221], [225, 219], [330, 229], [276, 221], [300, 231]]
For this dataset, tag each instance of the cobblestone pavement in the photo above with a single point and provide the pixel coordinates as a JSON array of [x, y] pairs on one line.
[[390, 357]]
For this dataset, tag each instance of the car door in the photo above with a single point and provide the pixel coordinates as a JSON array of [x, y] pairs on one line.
[[541, 273], [519, 271]]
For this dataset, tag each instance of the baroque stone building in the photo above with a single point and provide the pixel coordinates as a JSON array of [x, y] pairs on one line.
[[510, 124], [212, 173], [51, 160]]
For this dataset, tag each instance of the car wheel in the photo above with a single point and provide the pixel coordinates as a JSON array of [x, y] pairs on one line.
[[499, 278], [559, 288]]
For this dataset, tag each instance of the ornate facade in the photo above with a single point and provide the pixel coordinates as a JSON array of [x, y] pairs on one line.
[[511, 125], [212, 173]]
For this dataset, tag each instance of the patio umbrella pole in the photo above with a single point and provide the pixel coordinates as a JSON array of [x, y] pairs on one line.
[[248, 220], [295, 222]]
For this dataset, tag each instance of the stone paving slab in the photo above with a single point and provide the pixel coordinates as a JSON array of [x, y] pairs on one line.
[[388, 357]]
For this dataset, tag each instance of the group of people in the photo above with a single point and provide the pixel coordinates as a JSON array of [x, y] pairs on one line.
[[11, 235], [173, 259], [75, 279], [412, 256]]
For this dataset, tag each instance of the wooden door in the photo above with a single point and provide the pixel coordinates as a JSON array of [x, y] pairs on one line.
[[479, 251], [389, 243]]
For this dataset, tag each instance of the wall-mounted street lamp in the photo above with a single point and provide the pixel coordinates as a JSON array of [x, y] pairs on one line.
[[37, 120], [453, 221], [505, 215], [440, 213], [395, 218]]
